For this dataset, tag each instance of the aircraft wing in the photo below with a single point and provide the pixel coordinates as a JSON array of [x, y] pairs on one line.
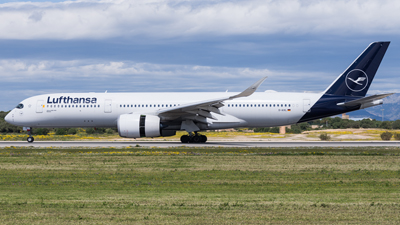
[[367, 100], [202, 111]]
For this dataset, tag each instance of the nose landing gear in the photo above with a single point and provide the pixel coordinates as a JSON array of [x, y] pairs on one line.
[[30, 139], [193, 138]]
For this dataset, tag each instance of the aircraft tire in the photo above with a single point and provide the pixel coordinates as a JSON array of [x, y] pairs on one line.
[[196, 139], [30, 139], [185, 138], [203, 138]]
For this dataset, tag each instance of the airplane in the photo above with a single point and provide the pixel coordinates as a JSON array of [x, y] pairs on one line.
[[137, 115]]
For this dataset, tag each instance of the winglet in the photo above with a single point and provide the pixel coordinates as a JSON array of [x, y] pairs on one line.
[[250, 90]]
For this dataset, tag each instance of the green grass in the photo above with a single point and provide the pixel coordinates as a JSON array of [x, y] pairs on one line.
[[200, 186]]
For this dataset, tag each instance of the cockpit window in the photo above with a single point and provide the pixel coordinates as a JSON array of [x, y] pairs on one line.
[[20, 106]]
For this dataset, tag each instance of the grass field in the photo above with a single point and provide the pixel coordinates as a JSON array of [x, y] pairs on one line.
[[200, 186]]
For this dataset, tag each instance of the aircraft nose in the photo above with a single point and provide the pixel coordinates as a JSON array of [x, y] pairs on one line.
[[9, 117]]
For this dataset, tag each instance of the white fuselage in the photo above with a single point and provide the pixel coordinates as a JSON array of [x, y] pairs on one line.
[[262, 109]]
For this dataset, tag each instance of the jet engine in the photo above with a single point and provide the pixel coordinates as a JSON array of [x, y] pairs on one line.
[[136, 126]]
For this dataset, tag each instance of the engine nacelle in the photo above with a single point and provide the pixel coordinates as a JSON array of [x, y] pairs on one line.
[[137, 126]]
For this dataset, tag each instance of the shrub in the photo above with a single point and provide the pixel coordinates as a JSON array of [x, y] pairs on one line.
[[72, 131], [396, 136], [41, 131], [324, 137], [90, 130], [61, 131], [109, 131], [386, 136]]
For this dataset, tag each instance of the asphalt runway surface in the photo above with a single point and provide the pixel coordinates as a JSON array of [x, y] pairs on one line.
[[166, 144]]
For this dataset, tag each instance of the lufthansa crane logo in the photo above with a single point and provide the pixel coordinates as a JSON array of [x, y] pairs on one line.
[[356, 80]]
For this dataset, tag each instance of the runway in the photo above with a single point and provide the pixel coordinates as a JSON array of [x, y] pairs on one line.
[[167, 144]]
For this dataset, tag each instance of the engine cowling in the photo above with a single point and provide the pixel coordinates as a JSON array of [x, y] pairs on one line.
[[137, 126]]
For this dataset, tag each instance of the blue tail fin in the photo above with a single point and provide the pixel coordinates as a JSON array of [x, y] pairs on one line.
[[357, 78]]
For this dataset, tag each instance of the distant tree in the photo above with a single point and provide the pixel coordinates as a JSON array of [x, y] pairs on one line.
[[304, 126], [274, 130], [396, 124], [367, 123], [90, 130], [385, 125], [40, 131], [109, 131], [261, 129], [354, 124], [100, 130], [294, 129], [72, 131], [61, 131]]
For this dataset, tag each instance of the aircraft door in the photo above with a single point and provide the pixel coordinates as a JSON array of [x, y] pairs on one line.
[[39, 106], [108, 106], [306, 105]]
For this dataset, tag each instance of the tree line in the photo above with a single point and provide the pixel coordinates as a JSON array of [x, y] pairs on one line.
[[334, 123]]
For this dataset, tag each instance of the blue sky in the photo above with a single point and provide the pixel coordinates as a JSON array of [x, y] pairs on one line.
[[158, 45]]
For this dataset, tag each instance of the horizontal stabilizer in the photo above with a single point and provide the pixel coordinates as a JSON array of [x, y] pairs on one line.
[[361, 101]]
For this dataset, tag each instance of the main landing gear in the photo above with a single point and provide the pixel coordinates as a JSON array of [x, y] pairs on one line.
[[193, 138], [30, 139]]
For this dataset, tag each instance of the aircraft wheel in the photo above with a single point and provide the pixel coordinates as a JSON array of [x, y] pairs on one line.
[[203, 138], [185, 138], [196, 139], [30, 139]]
